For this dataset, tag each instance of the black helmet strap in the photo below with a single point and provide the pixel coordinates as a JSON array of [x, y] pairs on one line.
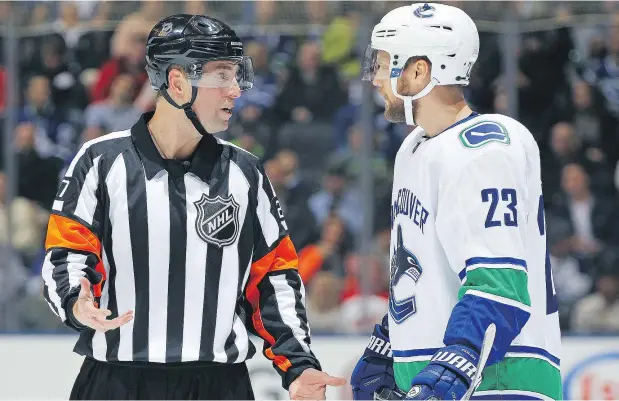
[[191, 115]]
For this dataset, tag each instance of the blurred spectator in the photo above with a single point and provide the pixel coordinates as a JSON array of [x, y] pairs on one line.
[[352, 153], [338, 195], [262, 94], [339, 45], [38, 175], [67, 90], [68, 23], [604, 72], [308, 86], [595, 127], [361, 310], [323, 303], [328, 253], [599, 312], [117, 112], [13, 279], [55, 133], [293, 193], [566, 147], [128, 57], [28, 224], [593, 221]]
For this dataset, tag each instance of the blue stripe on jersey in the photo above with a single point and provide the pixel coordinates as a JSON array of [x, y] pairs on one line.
[[472, 315], [495, 261], [534, 350], [414, 352], [462, 274], [516, 349]]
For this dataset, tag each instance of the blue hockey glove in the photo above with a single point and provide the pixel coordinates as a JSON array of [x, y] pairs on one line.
[[374, 371], [448, 376]]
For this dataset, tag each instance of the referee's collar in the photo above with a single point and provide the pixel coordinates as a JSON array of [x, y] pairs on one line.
[[201, 163]]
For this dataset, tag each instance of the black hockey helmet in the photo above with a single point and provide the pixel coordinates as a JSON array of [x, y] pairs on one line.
[[190, 41]]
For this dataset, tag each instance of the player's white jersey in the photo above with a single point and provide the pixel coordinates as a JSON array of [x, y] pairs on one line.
[[468, 221]]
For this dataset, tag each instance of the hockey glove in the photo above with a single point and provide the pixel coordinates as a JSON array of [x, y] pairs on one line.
[[448, 376], [374, 371]]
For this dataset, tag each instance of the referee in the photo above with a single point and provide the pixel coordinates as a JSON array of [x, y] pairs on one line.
[[166, 246]]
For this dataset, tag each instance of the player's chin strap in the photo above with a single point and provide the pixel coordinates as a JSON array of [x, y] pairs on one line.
[[191, 115], [408, 100]]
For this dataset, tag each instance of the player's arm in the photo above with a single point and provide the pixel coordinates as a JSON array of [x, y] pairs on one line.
[[481, 224], [73, 241], [276, 292]]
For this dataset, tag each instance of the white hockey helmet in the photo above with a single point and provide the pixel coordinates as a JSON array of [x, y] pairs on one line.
[[446, 35]]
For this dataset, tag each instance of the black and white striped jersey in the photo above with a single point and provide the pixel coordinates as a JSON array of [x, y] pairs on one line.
[[199, 250]]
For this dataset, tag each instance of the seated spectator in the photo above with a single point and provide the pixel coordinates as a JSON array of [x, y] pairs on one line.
[[38, 175], [262, 94], [593, 221], [117, 112], [328, 253], [53, 62], [599, 312], [128, 57], [603, 73], [596, 128], [566, 147], [362, 308], [308, 85], [28, 224], [380, 170], [68, 24], [323, 299], [338, 195], [55, 133], [293, 193]]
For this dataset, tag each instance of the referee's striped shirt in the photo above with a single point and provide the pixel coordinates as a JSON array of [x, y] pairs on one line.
[[199, 251]]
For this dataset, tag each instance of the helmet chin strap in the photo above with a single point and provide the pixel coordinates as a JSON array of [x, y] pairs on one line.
[[408, 100], [191, 115]]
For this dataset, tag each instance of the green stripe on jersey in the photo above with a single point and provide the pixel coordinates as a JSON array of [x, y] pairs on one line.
[[506, 283], [514, 374]]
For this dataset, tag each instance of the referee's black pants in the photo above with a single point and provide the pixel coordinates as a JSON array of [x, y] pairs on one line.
[[179, 381]]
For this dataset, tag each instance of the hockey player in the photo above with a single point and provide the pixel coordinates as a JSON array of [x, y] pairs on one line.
[[468, 245]]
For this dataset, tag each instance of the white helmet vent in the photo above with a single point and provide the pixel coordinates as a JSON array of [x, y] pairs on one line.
[[386, 33], [447, 28]]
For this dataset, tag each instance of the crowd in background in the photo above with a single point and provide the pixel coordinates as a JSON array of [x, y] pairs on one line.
[[82, 75]]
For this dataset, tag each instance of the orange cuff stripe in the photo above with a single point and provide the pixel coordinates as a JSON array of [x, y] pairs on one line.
[[282, 257], [63, 232]]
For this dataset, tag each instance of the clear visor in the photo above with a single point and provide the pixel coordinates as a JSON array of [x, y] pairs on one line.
[[376, 64], [223, 74]]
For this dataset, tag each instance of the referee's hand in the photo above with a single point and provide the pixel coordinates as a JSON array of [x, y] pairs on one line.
[[88, 314], [312, 385]]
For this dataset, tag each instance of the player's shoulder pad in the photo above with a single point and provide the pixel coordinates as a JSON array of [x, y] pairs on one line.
[[483, 132]]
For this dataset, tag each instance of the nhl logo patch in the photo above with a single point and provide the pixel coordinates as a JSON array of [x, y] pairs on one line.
[[166, 29], [217, 222]]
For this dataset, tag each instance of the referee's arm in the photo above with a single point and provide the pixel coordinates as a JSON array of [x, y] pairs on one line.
[[73, 244], [275, 291]]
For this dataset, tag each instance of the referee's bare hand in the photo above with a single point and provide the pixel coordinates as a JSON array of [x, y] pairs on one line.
[[88, 314], [312, 385]]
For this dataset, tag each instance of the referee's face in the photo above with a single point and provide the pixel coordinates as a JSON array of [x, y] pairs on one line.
[[214, 105]]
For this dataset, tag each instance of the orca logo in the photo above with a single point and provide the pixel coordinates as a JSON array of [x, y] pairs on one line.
[[218, 220], [483, 133], [403, 263], [425, 11]]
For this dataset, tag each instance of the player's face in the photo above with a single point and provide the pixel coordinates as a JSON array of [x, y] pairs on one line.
[[214, 105], [394, 106]]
